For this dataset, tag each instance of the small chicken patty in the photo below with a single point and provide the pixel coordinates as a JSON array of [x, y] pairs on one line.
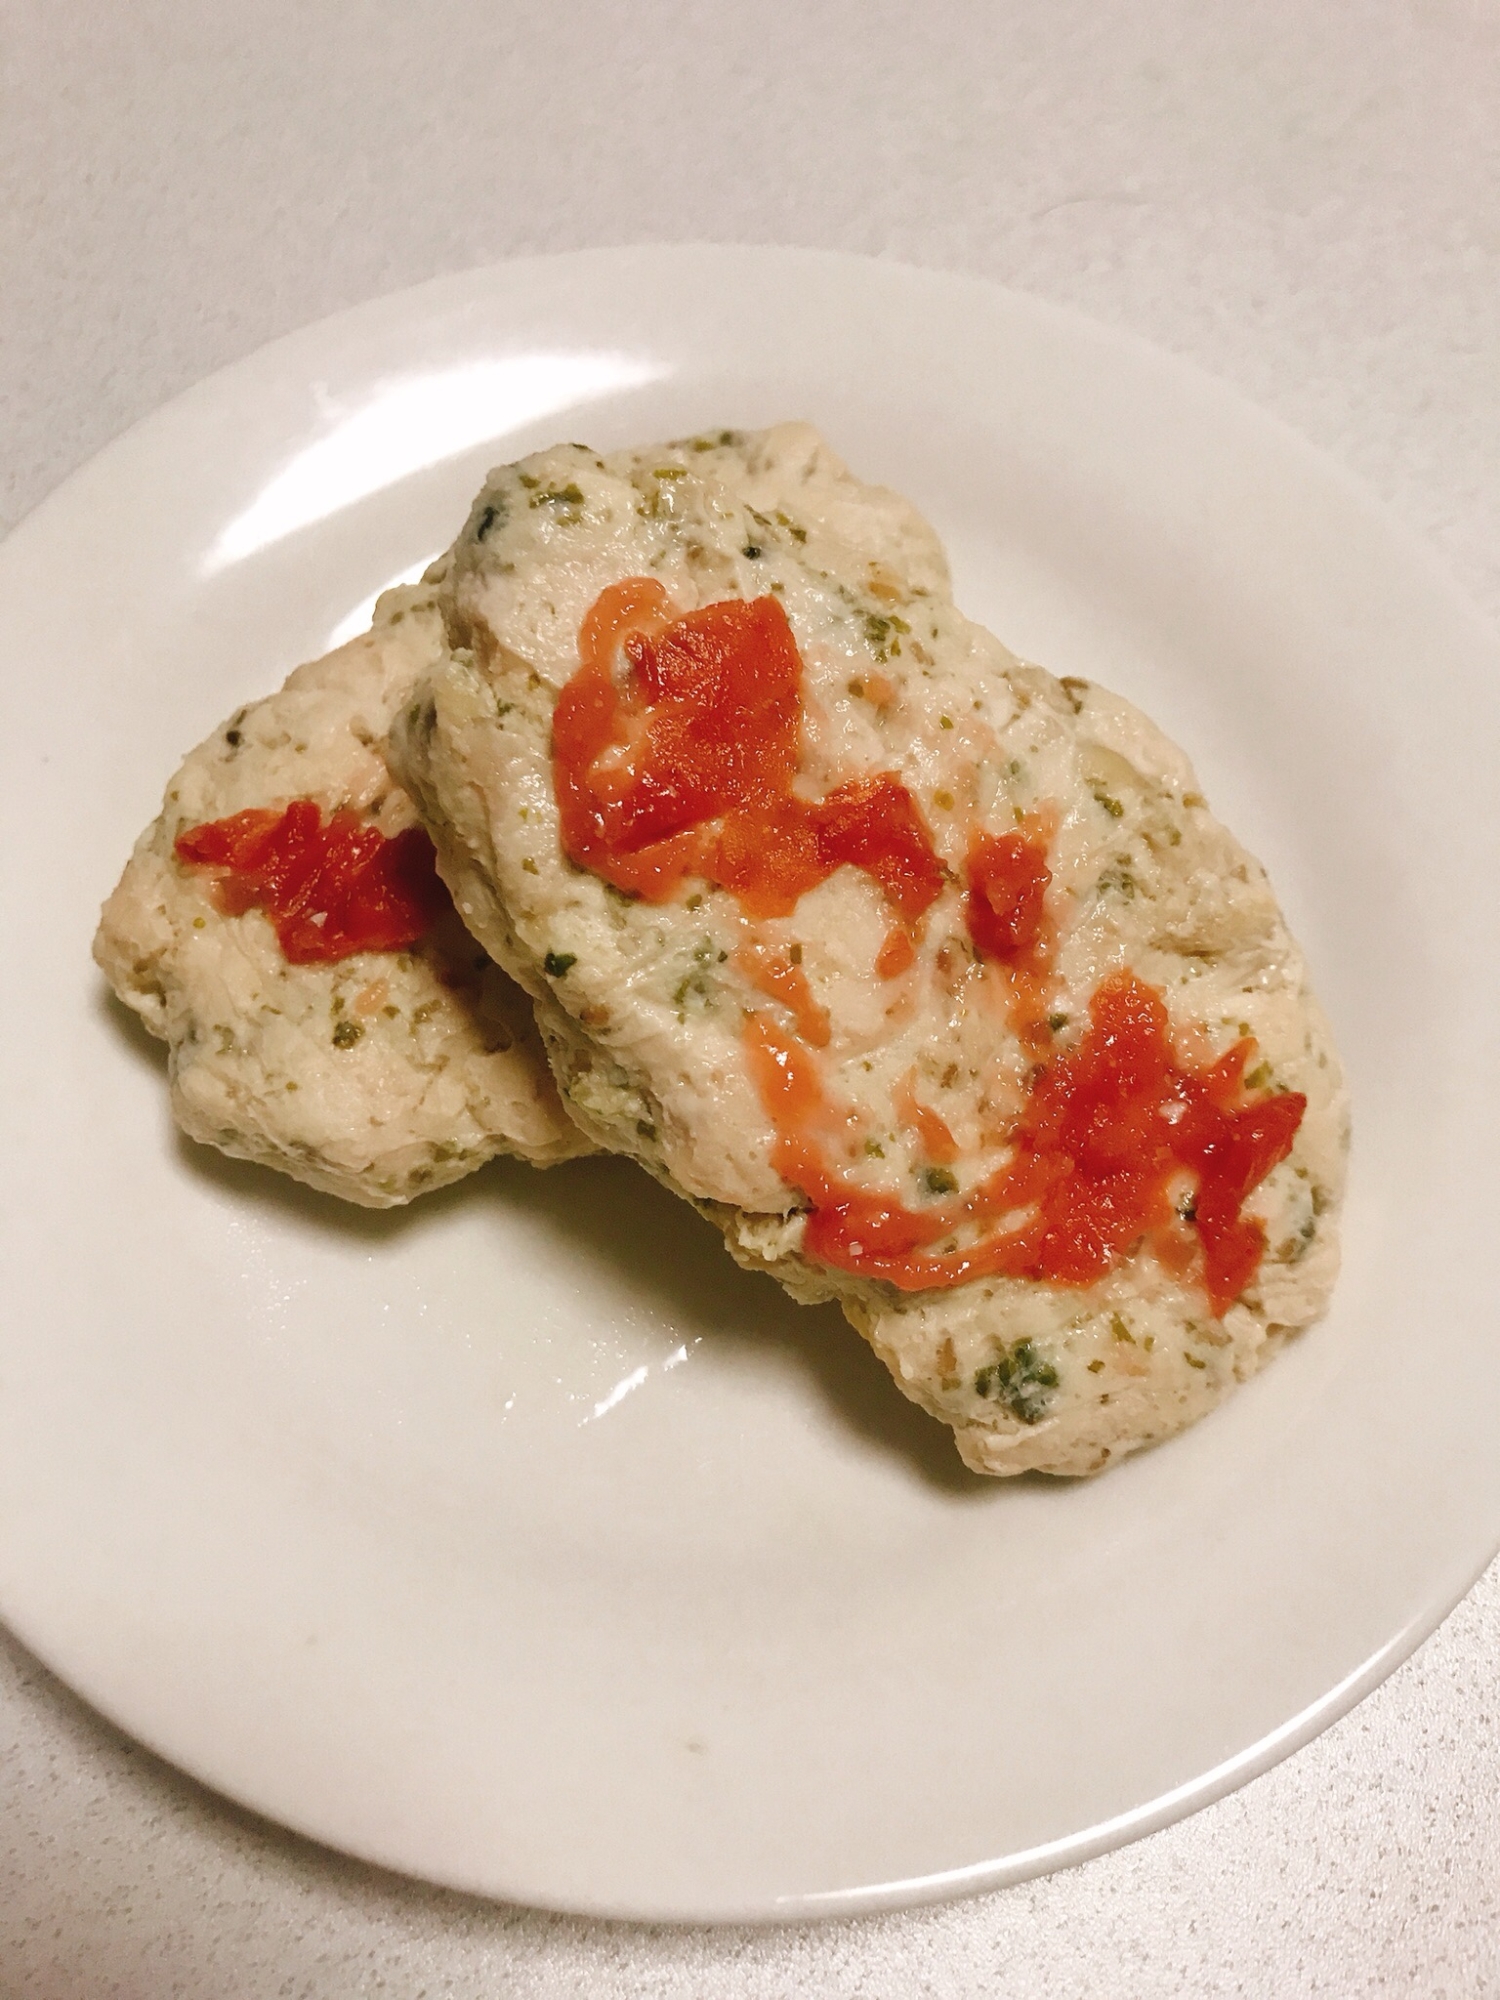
[[929, 978], [376, 1075]]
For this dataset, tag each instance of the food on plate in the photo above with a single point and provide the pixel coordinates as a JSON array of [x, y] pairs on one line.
[[282, 927], [929, 978]]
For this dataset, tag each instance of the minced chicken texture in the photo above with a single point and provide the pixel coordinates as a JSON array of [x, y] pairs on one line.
[[375, 1077], [649, 1007]]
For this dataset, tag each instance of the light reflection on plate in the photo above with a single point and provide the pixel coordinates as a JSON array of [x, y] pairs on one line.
[[412, 422], [356, 621]]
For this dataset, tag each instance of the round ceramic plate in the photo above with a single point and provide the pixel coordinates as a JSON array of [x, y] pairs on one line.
[[519, 1540]]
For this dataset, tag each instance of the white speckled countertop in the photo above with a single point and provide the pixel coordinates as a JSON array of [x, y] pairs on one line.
[[1304, 198]]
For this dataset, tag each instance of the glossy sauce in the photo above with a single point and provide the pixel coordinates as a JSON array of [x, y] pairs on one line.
[[675, 751], [1115, 1132], [773, 973], [1005, 909], [897, 953], [330, 887], [933, 1134], [684, 765]]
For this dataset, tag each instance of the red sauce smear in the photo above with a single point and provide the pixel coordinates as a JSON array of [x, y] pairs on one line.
[[897, 954], [684, 764], [330, 887], [774, 974], [933, 1136], [1005, 909], [675, 749], [1111, 1130]]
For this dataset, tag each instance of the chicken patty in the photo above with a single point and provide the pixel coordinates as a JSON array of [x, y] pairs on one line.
[[927, 977], [373, 1074]]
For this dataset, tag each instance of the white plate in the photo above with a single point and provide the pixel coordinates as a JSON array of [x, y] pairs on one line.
[[521, 1542]]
